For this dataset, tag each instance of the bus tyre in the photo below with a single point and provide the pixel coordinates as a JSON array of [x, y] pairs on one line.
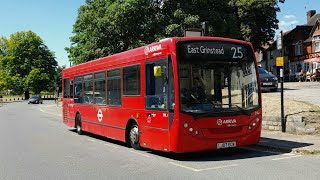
[[134, 137], [78, 124]]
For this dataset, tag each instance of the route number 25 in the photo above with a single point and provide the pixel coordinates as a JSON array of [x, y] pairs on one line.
[[237, 52]]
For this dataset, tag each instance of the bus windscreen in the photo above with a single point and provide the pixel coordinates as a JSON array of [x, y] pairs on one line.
[[217, 78]]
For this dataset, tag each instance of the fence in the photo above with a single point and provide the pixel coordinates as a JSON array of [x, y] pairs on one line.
[[13, 99]]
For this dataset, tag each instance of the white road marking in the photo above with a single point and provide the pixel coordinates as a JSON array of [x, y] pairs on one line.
[[140, 154], [252, 149], [59, 115], [91, 140], [288, 157], [218, 167], [204, 169], [186, 167], [111, 146]]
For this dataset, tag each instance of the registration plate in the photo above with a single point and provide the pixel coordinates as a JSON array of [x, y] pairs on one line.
[[226, 145], [269, 83]]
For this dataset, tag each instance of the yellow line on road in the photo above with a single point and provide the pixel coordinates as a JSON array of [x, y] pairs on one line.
[[276, 159], [140, 154]]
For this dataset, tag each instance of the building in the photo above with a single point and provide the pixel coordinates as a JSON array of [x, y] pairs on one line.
[[301, 49]]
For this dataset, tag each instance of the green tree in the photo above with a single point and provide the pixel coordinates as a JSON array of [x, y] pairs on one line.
[[105, 27], [58, 77], [20, 55], [37, 81]]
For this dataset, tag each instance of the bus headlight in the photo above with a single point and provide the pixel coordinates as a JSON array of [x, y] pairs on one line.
[[185, 125]]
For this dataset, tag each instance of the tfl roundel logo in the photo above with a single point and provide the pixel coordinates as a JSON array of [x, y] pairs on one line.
[[219, 122]]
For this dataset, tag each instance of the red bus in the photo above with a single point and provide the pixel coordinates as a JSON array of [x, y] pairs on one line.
[[178, 95]]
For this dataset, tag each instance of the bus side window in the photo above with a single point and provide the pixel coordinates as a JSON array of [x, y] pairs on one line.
[[171, 86], [88, 89], [66, 88], [114, 87], [78, 89], [100, 88], [156, 84], [71, 89]]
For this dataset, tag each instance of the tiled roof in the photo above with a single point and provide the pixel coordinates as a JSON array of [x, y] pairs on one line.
[[312, 21]]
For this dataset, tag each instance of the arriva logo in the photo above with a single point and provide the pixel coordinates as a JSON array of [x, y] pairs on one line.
[[151, 49], [226, 121]]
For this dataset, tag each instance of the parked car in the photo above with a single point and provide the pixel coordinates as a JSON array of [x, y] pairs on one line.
[[269, 82], [35, 100]]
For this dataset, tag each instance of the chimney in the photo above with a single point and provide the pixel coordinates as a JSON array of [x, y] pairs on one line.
[[310, 14]]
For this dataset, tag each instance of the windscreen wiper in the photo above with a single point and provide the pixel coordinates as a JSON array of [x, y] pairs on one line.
[[202, 115], [243, 110]]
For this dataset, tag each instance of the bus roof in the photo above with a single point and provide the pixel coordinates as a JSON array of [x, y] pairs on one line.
[[151, 50]]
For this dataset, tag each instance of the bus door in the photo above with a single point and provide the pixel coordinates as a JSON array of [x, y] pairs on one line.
[[157, 100]]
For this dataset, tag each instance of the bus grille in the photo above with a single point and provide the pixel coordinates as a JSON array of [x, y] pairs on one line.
[[223, 132]]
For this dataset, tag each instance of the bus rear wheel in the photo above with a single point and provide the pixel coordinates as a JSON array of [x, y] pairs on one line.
[[134, 136], [78, 124]]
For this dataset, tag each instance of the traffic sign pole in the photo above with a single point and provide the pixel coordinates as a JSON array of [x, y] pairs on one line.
[[283, 121]]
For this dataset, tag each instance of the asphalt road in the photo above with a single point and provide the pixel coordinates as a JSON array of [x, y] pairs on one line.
[[35, 144]]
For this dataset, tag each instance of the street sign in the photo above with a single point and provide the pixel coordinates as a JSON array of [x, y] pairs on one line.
[[279, 61]]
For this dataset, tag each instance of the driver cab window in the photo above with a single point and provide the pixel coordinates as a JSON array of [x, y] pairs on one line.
[[156, 85]]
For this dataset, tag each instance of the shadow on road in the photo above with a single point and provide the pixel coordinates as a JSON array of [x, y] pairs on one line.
[[267, 147], [283, 146], [102, 138]]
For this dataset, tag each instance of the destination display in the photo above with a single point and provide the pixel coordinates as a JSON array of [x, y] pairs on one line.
[[219, 50]]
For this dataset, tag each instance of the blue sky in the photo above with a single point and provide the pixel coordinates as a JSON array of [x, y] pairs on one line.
[[53, 20], [294, 12]]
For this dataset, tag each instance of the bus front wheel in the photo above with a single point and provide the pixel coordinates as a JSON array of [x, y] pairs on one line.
[[78, 124], [135, 137]]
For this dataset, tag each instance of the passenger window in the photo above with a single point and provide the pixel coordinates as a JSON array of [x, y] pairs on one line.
[[100, 88], [66, 88], [78, 90], [88, 89], [131, 80], [71, 89], [114, 87], [156, 85]]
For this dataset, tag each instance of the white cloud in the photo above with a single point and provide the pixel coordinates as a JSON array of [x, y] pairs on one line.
[[289, 16], [287, 23]]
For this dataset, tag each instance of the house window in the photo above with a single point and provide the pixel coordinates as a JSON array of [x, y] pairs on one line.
[[298, 49], [316, 43]]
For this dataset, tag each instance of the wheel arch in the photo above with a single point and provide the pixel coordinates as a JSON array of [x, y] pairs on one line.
[[75, 118], [129, 123]]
